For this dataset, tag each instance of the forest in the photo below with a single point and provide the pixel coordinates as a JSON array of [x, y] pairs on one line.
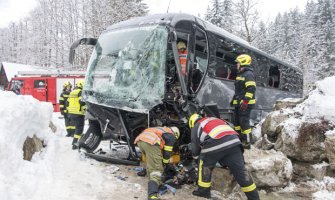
[[303, 38]]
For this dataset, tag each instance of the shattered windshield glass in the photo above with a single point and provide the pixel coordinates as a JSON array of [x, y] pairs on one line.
[[127, 68]]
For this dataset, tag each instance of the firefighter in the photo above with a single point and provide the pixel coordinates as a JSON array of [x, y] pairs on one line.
[[182, 51], [212, 141], [76, 112], [157, 144], [244, 98], [67, 86]]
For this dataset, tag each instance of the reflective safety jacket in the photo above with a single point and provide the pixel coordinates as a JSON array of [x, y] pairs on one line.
[[63, 101], [161, 136], [74, 104], [245, 87], [183, 60], [210, 135]]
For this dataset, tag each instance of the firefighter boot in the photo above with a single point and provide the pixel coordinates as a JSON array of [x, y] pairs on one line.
[[142, 173], [75, 143], [202, 192], [152, 190]]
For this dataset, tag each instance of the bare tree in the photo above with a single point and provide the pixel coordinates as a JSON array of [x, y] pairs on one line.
[[247, 17]]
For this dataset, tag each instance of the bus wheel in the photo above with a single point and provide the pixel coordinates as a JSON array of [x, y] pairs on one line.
[[91, 139]]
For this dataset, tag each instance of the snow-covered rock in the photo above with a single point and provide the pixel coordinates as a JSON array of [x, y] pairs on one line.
[[268, 168], [330, 148]]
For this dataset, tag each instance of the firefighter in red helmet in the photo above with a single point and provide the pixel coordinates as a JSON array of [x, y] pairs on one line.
[[212, 141]]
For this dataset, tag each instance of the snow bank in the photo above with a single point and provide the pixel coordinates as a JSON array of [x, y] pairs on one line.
[[320, 101], [21, 117]]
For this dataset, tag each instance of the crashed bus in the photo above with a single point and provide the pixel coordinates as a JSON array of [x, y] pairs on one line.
[[134, 78]]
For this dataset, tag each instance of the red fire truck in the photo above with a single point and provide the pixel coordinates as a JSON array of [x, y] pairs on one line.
[[44, 86]]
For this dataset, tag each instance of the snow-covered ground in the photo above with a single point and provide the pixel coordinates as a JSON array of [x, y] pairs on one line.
[[58, 172]]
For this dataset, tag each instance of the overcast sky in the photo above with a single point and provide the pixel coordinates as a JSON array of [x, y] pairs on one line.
[[14, 10]]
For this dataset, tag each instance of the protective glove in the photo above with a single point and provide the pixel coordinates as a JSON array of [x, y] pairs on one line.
[[169, 170], [244, 105]]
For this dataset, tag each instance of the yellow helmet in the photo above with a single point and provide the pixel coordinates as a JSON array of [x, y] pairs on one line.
[[193, 119], [67, 84], [181, 45], [176, 131], [80, 83], [243, 59]]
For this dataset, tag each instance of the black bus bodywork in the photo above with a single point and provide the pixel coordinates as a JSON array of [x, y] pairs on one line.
[[134, 78]]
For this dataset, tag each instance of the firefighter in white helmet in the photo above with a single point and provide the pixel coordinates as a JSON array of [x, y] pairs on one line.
[[156, 144]]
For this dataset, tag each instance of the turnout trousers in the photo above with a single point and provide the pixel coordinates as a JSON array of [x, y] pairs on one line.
[[242, 122], [154, 165], [234, 160], [70, 128], [79, 122]]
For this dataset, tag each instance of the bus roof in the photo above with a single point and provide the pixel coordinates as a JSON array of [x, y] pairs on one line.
[[173, 18]]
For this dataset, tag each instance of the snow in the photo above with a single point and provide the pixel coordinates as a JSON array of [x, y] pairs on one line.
[[12, 69], [58, 172]]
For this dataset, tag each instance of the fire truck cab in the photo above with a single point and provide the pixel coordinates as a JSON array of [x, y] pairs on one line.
[[43, 86]]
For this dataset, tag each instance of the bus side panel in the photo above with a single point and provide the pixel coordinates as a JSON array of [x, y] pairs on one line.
[[221, 92]]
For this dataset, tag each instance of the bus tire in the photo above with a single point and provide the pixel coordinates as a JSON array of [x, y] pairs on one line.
[[91, 139]]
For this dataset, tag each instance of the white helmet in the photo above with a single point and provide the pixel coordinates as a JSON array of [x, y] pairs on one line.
[[176, 131]]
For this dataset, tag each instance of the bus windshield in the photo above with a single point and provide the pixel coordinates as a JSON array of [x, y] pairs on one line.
[[127, 68]]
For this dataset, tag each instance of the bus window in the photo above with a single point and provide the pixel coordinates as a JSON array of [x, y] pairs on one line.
[[274, 77], [200, 59], [222, 71]]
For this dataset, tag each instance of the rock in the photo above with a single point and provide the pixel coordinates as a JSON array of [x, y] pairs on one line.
[[268, 168], [303, 141], [270, 126], [330, 149], [52, 127], [223, 181], [317, 171], [264, 143], [287, 103], [31, 146]]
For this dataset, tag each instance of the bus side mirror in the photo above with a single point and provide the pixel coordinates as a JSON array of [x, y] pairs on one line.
[[82, 41]]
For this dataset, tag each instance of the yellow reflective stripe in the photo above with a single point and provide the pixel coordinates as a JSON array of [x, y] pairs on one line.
[[66, 95], [247, 131], [235, 102], [76, 136], [165, 161], [250, 83], [240, 78], [200, 182], [237, 128], [72, 127], [153, 197], [252, 101], [250, 188], [61, 98], [168, 148], [248, 94], [219, 129], [61, 106]]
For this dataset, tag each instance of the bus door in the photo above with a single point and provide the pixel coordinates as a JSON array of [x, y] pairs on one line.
[[40, 89], [199, 61]]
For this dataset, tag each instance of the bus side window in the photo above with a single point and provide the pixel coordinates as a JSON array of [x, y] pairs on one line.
[[274, 77]]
